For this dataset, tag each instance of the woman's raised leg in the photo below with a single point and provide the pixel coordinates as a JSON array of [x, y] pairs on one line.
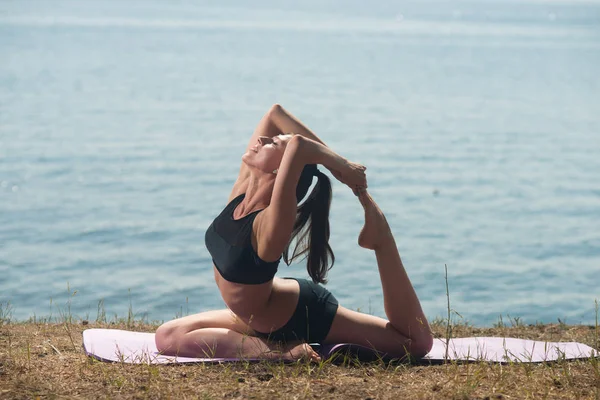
[[407, 329], [216, 334]]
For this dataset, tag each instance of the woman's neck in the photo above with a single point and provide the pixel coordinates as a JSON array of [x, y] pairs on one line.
[[258, 193]]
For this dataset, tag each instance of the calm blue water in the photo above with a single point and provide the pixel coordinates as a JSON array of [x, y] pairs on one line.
[[122, 125]]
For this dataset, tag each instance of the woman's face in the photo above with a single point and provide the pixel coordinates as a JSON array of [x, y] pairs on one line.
[[266, 154]]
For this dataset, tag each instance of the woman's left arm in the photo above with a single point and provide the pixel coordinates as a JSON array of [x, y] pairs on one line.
[[277, 220]]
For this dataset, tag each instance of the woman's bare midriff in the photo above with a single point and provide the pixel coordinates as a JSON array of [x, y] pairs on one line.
[[264, 307]]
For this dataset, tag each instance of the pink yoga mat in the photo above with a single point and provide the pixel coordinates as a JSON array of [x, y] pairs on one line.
[[115, 345]]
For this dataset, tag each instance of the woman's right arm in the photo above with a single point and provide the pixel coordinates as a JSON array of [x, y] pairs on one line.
[[276, 121], [288, 123]]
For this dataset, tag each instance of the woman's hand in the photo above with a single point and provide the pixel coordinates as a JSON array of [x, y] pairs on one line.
[[351, 174]]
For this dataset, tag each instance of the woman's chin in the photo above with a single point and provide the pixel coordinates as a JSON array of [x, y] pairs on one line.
[[247, 156]]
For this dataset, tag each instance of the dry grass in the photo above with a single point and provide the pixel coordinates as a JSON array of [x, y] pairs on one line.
[[41, 359]]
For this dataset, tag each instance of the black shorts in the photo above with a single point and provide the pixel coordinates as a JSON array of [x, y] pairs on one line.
[[312, 318]]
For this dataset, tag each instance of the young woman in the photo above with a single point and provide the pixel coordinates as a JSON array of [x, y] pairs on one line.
[[271, 317]]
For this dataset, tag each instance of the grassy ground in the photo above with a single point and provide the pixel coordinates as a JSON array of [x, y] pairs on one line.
[[42, 359]]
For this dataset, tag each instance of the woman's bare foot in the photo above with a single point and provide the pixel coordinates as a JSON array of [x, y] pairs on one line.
[[299, 351], [376, 229]]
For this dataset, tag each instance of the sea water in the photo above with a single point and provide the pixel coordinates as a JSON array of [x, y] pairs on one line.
[[122, 125]]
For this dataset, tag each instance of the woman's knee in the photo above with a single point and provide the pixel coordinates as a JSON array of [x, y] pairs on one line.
[[421, 345], [415, 346], [166, 336]]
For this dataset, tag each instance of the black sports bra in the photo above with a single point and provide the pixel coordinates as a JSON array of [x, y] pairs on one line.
[[229, 243]]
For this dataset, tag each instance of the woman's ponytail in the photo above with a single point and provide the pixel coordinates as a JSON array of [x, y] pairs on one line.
[[312, 241]]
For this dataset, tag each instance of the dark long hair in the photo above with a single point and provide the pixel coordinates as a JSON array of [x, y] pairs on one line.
[[312, 241]]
